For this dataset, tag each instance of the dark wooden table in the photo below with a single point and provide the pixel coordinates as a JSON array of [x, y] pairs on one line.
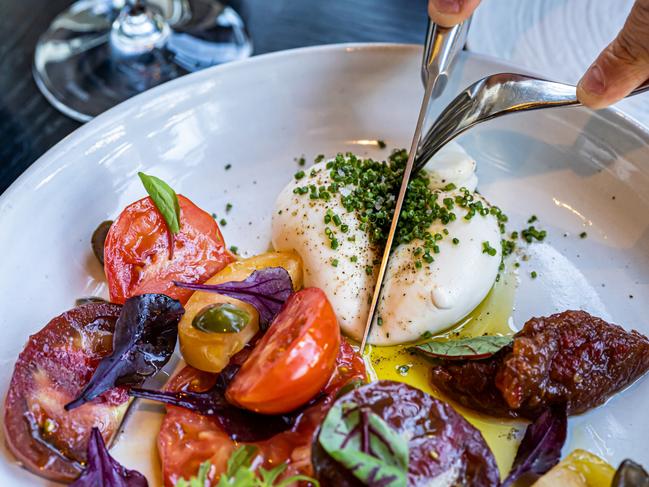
[[29, 125]]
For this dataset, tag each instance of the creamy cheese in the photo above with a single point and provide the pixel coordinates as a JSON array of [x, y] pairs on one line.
[[414, 300]]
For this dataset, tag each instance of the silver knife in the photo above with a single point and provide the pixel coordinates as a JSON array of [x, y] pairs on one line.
[[441, 48]]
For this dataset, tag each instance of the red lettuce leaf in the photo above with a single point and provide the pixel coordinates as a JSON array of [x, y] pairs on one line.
[[266, 289], [144, 339], [241, 425], [540, 449], [104, 470]]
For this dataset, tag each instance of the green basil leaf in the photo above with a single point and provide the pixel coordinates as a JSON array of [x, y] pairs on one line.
[[165, 200], [221, 318], [381, 459], [464, 349]]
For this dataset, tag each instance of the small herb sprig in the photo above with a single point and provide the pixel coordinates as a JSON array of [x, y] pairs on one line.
[[240, 474], [165, 200]]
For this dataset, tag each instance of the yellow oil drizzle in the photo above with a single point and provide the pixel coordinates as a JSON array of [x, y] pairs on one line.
[[491, 317]]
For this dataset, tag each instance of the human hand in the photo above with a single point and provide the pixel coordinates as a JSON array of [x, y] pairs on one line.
[[622, 66], [451, 12]]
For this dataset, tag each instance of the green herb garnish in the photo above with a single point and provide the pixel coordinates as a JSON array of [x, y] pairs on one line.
[[200, 479], [531, 233], [488, 249], [165, 200], [240, 473], [365, 444]]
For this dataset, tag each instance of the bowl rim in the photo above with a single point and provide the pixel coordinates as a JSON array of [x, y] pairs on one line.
[[43, 163]]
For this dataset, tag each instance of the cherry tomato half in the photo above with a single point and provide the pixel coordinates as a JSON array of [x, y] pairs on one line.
[[137, 257], [187, 438], [212, 351], [294, 359]]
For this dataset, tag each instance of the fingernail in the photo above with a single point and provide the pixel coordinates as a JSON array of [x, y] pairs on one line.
[[593, 81], [449, 6]]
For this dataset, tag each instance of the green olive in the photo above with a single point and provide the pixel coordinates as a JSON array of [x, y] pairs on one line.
[[221, 318]]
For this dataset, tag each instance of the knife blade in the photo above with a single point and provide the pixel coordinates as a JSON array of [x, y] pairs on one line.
[[441, 47]]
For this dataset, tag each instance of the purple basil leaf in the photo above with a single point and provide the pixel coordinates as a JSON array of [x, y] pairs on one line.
[[239, 424], [540, 449], [144, 339], [266, 289], [104, 470]]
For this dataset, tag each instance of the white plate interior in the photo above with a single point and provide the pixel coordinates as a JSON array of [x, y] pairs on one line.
[[576, 170]]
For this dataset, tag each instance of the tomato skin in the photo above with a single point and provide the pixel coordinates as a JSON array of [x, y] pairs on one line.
[[52, 370], [136, 252], [294, 359], [187, 438], [212, 351]]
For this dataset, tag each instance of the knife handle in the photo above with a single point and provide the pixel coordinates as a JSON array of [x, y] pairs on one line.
[[440, 50]]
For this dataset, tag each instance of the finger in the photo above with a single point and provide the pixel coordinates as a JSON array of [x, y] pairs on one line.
[[451, 12], [622, 66]]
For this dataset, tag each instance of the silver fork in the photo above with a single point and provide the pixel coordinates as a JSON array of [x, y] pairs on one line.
[[492, 97]]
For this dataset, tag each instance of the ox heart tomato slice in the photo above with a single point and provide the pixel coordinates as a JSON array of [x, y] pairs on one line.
[[51, 371], [294, 359], [137, 257]]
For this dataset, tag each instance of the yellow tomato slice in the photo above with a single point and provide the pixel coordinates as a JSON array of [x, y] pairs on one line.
[[212, 351], [579, 469]]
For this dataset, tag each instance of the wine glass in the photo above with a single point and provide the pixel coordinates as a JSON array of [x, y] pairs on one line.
[[99, 53]]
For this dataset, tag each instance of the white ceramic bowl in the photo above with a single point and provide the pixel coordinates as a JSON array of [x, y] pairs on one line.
[[577, 170]]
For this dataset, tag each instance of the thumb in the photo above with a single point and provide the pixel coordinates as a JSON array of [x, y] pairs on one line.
[[451, 12], [622, 66]]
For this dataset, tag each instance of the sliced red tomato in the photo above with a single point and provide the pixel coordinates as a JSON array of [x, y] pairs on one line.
[[187, 439], [51, 371], [294, 359], [137, 257]]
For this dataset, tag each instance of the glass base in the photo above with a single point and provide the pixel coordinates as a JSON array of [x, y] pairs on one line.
[[81, 69]]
